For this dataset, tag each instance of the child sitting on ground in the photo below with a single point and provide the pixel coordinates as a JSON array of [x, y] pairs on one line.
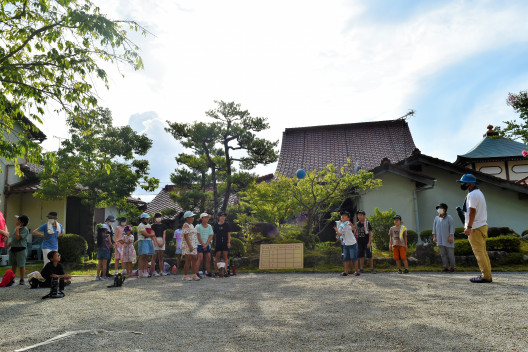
[[345, 229], [398, 244]]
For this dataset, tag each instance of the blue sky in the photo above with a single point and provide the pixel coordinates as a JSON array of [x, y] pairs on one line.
[[304, 63]]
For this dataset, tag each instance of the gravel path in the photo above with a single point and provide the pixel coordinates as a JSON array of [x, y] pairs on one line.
[[274, 312]]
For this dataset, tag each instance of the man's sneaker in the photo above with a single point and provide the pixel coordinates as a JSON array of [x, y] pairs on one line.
[[406, 271], [451, 270], [104, 277], [156, 274], [372, 271], [361, 270], [445, 270], [196, 277], [22, 282], [400, 271], [97, 278], [480, 280], [186, 278], [163, 273]]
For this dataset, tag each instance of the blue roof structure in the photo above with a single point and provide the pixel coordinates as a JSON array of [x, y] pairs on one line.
[[495, 147]]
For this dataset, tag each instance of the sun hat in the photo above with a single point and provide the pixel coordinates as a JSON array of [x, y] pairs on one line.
[[188, 214], [144, 216], [110, 218], [203, 215]]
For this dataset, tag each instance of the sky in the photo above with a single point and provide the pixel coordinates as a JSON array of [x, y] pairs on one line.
[[307, 63]]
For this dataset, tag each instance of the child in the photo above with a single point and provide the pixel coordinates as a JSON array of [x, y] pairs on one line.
[[364, 239], [104, 243], [128, 256], [345, 229], [54, 269], [189, 245], [178, 237], [145, 245], [118, 239], [398, 244], [205, 237], [159, 245], [222, 233], [18, 243]]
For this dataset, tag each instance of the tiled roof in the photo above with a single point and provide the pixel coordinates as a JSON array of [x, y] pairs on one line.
[[366, 143], [24, 187], [494, 147], [31, 168], [163, 201]]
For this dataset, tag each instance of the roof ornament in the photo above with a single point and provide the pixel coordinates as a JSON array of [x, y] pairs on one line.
[[490, 132], [407, 115]]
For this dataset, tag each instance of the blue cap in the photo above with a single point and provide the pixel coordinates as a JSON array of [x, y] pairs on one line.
[[144, 216], [188, 214], [468, 178]]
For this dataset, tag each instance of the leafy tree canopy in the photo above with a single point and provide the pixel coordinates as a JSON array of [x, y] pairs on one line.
[[517, 129], [51, 54]]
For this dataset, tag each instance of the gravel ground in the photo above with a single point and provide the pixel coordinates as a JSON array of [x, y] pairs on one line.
[[273, 312]]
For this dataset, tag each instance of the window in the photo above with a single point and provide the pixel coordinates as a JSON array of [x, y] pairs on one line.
[[520, 169], [491, 170]]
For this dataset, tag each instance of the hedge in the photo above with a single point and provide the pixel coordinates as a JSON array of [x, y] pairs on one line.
[[508, 244], [412, 237], [72, 248], [501, 231], [237, 248], [426, 236]]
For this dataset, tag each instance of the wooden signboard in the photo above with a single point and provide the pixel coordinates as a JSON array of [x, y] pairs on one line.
[[282, 256]]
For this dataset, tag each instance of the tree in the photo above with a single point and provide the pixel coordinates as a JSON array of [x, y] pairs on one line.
[[516, 129], [99, 164], [52, 51], [201, 138], [237, 131]]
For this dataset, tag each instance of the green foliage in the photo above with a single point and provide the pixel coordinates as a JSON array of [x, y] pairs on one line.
[[459, 233], [463, 247], [72, 248], [412, 237], [286, 240], [52, 53], [323, 246], [426, 236], [517, 129], [501, 231], [170, 247], [513, 258], [237, 248], [524, 233], [290, 232], [136, 247], [381, 223], [508, 244], [99, 164]]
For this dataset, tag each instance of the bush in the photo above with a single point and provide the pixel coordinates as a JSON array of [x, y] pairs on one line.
[[136, 247], [501, 231], [412, 237], [381, 223], [426, 236], [459, 234], [286, 240], [463, 247], [513, 258], [72, 248], [508, 244], [524, 233], [170, 248], [237, 248]]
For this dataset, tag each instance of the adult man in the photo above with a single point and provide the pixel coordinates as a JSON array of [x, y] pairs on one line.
[[109, 221], [364, 237], [51, 231], [476, 215], [444, 237]]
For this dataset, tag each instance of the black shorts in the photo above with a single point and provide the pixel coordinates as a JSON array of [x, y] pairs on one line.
[[221, 247], [362, 248]]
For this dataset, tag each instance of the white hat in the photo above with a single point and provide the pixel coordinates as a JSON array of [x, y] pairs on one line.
[[203, 215]]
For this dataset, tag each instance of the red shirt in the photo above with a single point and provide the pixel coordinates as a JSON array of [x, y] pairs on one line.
[[2, 227]]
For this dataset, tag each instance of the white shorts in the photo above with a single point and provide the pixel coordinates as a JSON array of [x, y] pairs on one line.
[[45, 255], [162, 248]]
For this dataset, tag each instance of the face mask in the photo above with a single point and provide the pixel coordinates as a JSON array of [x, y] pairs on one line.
[[51, 221], [464, 186], [158, 219], [440, 211], [123, 223]]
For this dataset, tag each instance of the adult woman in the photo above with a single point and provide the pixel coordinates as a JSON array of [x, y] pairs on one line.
[[189, 246], [51, 231]]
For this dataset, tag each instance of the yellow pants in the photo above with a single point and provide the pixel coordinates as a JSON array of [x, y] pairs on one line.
[[478, 244]]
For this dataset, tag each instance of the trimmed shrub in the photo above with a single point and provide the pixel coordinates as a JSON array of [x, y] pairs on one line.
[[508, 244], [237, 248], [513, 258], [412, 237], [426, 236], [463, 247], [72, 248], [501, 231], [381, 223], [459, 234]]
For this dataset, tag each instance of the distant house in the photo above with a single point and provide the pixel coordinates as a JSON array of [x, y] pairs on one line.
[[413, 183]]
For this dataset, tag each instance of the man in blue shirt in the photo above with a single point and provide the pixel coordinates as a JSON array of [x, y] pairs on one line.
[[51, 231]]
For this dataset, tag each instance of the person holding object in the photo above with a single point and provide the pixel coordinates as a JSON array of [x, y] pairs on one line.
[[476, 216], [119, 243], [444, 237], [364, 239], [54, 269], [345, 229], [51, 231], [18, 244], [145, 245], [398, 244]]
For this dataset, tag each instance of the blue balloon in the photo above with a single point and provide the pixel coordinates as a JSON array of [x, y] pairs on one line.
[[301, 174]]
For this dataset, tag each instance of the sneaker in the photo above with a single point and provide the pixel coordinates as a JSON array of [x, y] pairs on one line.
[[196, 277], [22, 282], [355, 274], [372, 271], [186, 278], [97, 278], [361, 270], [104, 278], [400, 271], [451, 270], [445, 270], [156, 274], [344, 274], [406, 271], [480, 280], [163, 273]]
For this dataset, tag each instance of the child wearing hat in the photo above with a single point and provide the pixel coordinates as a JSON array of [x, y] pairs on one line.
[[189, 244], [128, 256], [398, 244], [205, 237]]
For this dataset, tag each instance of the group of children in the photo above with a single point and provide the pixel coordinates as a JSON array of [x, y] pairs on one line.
[[357, 243], [194, 243]]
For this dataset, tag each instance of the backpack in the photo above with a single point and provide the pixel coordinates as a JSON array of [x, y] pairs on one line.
[[118, 280], [8, 279]]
